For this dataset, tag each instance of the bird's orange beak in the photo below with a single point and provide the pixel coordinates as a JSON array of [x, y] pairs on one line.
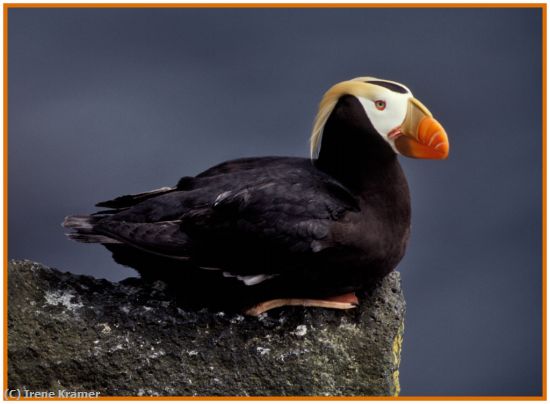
[[421, 136]]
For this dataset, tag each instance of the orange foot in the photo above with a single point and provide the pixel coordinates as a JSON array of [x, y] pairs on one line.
[[341, 302]]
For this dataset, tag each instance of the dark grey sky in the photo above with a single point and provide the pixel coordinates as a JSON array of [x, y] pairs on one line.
[[104, 102]]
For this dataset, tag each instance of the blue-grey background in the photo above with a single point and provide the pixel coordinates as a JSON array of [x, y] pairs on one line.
[[104, 102]]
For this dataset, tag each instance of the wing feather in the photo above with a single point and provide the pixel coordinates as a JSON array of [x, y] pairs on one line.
[[250, 218]]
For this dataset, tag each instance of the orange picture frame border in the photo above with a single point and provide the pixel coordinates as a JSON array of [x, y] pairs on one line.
[[541, 6]]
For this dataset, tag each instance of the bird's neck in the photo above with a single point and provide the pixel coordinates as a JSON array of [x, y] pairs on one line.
[[353, 153], [363, 176]]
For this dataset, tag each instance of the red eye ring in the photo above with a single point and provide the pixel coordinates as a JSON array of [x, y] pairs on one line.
[[380, 105]]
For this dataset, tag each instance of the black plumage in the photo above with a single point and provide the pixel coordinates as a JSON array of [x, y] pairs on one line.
[[255, 229]]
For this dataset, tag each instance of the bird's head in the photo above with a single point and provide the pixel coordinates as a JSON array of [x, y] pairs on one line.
[[400, 119]]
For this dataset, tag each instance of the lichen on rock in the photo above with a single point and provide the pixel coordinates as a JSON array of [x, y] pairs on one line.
[[131, 338]]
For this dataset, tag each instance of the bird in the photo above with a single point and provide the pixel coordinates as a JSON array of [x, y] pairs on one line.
[[259, 233]]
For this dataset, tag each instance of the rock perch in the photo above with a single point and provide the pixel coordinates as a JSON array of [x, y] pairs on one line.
[[68, 332]]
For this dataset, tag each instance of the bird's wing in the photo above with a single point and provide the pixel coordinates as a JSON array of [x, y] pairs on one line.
[[282, 216], [161, 238], [126, 201], [245, 222], [243, 164]]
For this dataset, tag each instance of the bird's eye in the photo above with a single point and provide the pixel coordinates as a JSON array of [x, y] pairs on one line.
[[380, 105]]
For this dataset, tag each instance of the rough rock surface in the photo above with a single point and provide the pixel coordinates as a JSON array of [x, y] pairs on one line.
[[77, 333]]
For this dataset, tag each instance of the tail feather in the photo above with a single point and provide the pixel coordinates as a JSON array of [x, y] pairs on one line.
[[84, 229], [78, 222], [92, 238]]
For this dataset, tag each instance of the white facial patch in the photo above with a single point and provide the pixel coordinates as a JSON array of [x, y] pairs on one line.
[[367, 90], [391, 116]]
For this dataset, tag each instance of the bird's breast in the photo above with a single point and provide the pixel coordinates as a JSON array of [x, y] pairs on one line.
[[376, 234]]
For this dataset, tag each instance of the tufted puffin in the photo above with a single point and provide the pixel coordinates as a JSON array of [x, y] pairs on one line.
[[264, 232]]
